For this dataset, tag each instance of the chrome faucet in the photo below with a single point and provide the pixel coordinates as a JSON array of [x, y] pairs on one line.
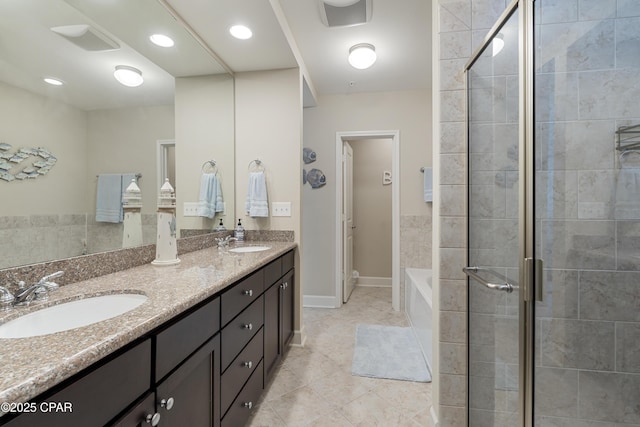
[[38, 291], [224, 242]]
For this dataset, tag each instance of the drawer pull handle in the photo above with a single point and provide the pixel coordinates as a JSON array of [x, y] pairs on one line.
[[167, 403], [153, 419], [248, 292], [248, 326], [248, 405], [248, 364]]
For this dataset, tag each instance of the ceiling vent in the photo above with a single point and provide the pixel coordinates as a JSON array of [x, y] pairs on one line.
[[340, 13], [86, 37]]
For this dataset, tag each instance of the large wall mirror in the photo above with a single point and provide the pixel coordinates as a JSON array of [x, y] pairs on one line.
[[94, 125]]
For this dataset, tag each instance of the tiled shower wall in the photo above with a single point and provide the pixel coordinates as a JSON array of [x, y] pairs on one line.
[[38, 238], [588, 213], [588, 329], [462, 26]]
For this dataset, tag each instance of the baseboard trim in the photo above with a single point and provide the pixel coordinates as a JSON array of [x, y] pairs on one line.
[[434, 417], [299, 338], [377, 282], [315, 301]]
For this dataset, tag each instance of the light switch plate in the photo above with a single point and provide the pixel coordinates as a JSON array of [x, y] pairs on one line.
[[281, 209], [190, 209]]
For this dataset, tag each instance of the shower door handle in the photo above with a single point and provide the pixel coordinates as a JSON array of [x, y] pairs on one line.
[[473, 273]]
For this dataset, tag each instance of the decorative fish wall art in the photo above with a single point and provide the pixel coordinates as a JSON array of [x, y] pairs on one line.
[[12, 164]]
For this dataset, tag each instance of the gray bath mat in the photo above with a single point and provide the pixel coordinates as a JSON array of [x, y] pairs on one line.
[[389, 352]]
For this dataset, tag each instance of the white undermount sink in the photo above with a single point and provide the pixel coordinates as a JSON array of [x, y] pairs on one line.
[[244, 249], [70, 315]]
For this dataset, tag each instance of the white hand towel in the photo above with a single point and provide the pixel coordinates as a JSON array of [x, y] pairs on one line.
[[109, 198], [210, 199], [428, 185], [257, 204]]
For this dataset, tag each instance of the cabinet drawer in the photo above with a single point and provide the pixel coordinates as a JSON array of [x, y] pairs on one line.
[[240, 409], [272, 272], [241, 295], [100, 395], [287, 261], [240, 331], [240, 369], [182, 338]]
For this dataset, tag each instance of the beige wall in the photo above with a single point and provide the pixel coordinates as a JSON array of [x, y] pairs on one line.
[[269, 127], [204, 123], [30, 120], [123, 140], [406, 111], [371, 208]]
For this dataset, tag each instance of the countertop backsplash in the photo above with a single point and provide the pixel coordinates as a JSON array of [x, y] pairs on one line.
[[84, 267]]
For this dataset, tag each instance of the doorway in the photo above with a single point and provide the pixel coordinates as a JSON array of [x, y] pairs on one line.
[[343, 273]]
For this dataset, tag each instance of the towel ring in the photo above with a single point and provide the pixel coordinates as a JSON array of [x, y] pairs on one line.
[[212, 164], [258, 164]]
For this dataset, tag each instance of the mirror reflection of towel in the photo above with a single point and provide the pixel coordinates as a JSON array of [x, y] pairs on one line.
[[111, 187], [256, 204], [627, 204], [210, 199]]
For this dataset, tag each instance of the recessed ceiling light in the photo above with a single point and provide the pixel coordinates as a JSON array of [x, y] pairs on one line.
[[362, 56], [128, 76], [241, 32], [54, 82], [162, 40]]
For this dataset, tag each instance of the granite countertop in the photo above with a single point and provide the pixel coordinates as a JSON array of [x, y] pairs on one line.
[[33, 365]]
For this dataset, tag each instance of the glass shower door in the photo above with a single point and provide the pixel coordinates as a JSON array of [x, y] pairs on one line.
[[587, 206], [493, 212]]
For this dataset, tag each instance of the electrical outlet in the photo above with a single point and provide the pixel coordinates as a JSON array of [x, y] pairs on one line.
[[190, 209], [281, 209]]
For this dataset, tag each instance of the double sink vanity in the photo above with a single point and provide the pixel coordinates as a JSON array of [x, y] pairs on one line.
[[192, 345]]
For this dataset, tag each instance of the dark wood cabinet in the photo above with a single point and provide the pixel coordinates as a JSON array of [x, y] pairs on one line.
[[97, 395], [206, 367], [278, 316], [190, 395]]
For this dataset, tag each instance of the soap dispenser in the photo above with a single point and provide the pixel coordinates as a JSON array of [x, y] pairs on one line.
[[238, 233], [221, 226]]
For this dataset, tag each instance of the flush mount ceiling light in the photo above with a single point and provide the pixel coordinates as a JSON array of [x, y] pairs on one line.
[[497, 44], [241, 32], [162, 40], [53, 82], [128, 76], [362, 56]]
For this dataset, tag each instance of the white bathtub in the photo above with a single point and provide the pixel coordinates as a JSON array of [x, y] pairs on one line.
[[417, 294]]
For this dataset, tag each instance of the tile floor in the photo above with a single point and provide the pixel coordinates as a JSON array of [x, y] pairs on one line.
[[314, 386]]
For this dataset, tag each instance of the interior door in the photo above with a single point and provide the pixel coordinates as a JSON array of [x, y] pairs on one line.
[[348, 282], [494, 238]]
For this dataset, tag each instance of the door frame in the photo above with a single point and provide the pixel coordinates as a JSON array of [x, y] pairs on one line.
[[342, 137], [526, 202]]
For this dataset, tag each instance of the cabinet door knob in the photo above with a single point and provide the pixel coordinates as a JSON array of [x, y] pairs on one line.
[[167, 403], [153, 419], [248, 326], [286, 285], [248, 405], [248, 292], [248, 364]]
